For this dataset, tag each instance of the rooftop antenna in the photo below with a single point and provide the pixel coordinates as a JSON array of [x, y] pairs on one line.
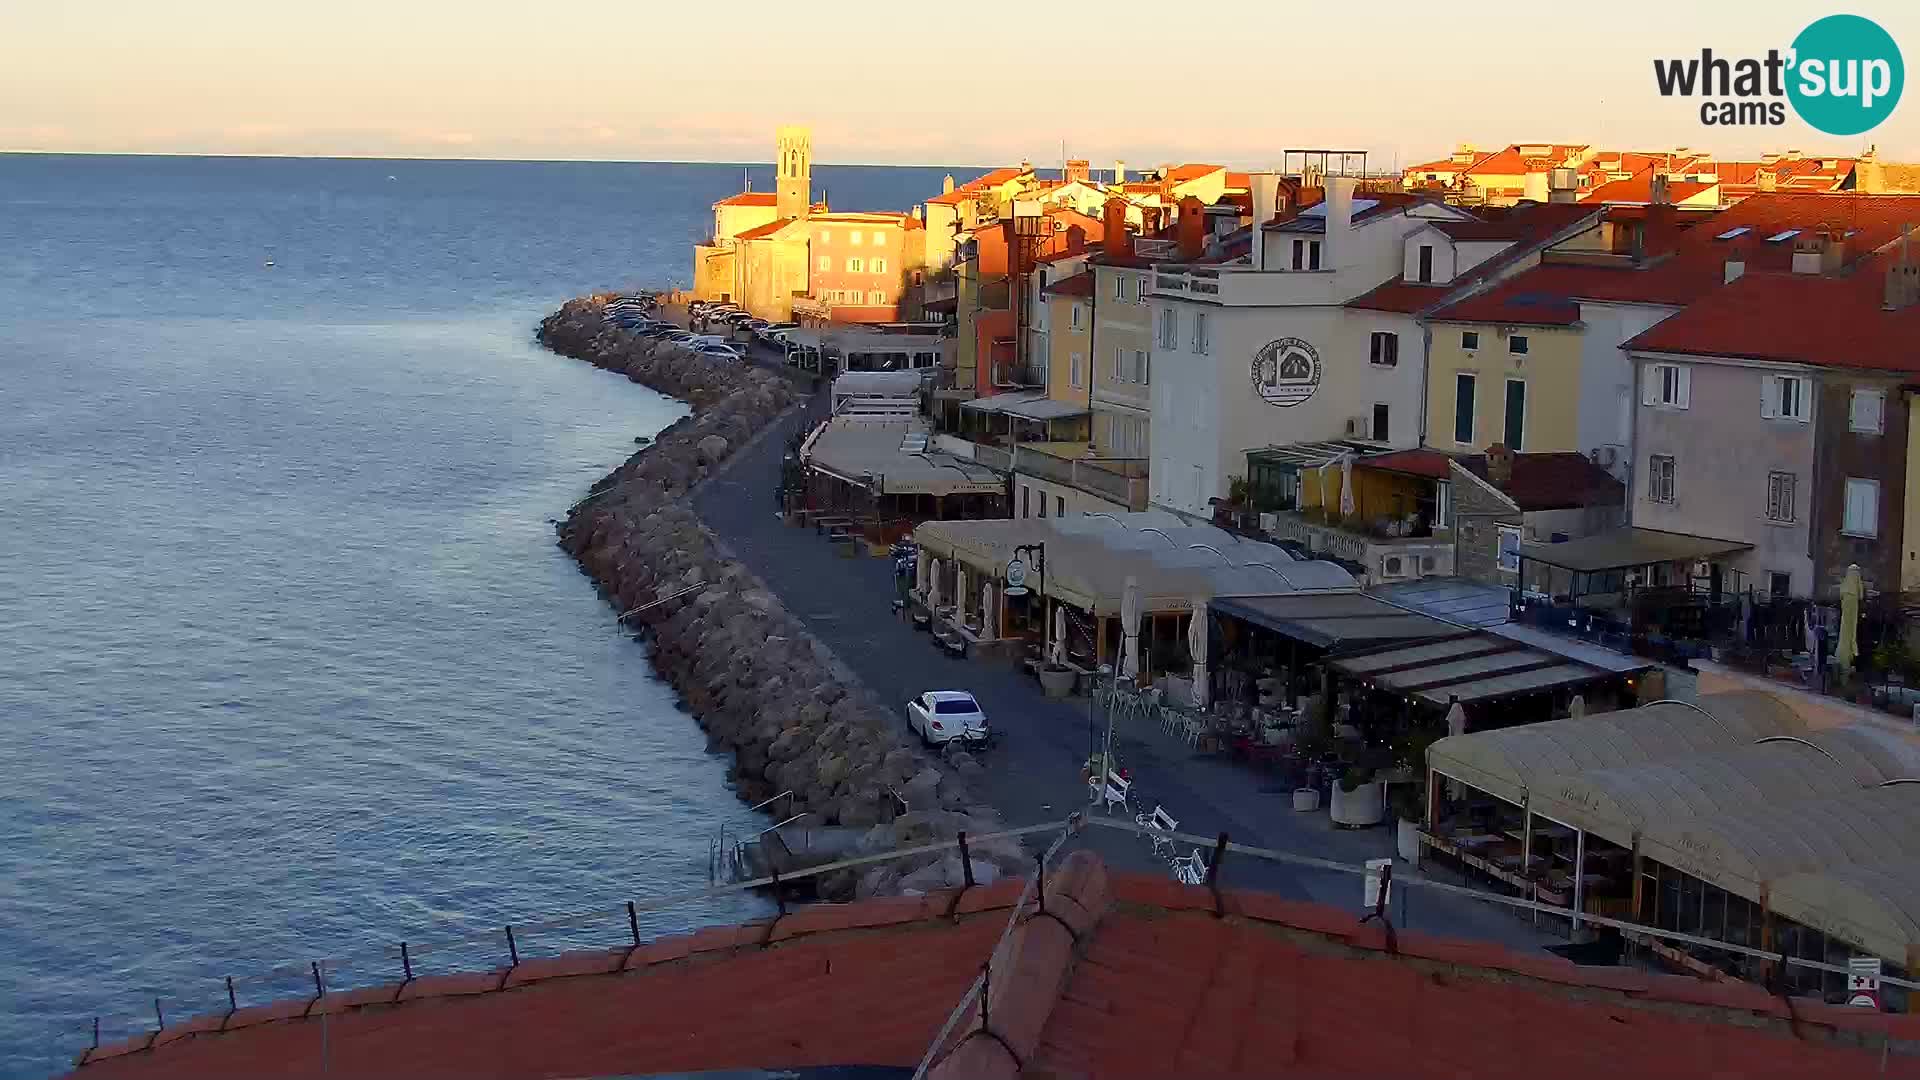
[[746, 178]]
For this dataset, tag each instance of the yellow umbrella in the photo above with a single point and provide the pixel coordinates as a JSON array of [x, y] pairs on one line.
[[1851, 588]]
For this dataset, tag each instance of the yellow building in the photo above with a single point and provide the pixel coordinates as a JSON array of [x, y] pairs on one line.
[[1499, 379], [1069, 339]]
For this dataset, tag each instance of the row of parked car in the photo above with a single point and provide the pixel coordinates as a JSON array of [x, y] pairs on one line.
[[738, 324], [640, 314]]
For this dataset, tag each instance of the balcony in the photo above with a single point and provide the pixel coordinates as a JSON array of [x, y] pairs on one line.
[[1117, 480], [1381, 555]]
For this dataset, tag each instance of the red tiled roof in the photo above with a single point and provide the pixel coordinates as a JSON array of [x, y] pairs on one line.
[[1639, 189], [1422, 462], [978, 184], [1530, 299], [1239, 180], [1555, 481], [1797, 318], [1127, 976], [1080, 284], [1528, 226], [761, 231], [748, 198], [1182, 173]]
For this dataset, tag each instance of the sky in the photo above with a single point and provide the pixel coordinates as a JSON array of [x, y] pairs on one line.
[[1234, 82]]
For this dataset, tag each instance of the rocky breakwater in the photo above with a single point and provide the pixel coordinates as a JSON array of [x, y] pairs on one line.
[[792, 715]]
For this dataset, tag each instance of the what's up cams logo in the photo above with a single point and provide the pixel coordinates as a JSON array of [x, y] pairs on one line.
[[1843, 76]]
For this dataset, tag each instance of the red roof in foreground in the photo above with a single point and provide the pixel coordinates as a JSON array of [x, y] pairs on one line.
[[1554, 481], [1639, 189], [1420, 462], [1528, 227], [1799, 318], [1128, 976], [748, 198]]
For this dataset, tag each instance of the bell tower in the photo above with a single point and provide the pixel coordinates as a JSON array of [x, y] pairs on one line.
[[793, 173]]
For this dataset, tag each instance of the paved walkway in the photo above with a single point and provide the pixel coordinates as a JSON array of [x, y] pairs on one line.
[[1033, 775]]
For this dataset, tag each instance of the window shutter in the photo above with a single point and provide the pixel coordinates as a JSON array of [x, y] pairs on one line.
[[1769, 397], [1650, 385], [1686, 386]]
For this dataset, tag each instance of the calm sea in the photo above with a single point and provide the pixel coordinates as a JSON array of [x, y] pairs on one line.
[[290, 668]]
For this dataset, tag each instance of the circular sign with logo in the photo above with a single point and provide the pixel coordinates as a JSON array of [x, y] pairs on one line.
[[1286, 372], [1846, 74], [1016, 578]]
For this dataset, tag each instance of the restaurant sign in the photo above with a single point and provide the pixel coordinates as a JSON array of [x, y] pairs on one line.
[[1863, 981], [1286, 372]]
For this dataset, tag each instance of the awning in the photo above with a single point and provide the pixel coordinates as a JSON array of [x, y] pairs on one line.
[[1625, 548], [875, 454], [1508, 762], [1474, 666], [941, 307], [1027, 406], [1453, 599], [1331, 620], [1874, 906], [1307, 455]]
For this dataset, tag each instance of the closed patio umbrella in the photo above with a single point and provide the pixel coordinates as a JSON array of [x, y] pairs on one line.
[[959, 590], [1197, 645], [989, 621], [922, 573], [1851, 589], [933, 585], [1058, 654], [1130, 630], [1346, 486]]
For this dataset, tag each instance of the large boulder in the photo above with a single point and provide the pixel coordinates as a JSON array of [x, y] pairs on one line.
[[712, 449]]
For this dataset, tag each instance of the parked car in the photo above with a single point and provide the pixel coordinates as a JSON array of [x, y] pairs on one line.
[[941, 716]]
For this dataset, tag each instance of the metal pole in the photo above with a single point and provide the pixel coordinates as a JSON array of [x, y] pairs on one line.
[[233, 1002], [1579, 875], [406, 962], [633, 923], [1526, 853], [513, 947]]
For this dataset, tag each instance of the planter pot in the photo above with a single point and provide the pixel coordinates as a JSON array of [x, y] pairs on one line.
[[1408, 840], [1306, 800], [1057, 682], [1360, 808]]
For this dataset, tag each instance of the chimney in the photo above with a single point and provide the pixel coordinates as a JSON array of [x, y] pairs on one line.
[[1267, 192], [1499, 466], [1736, 266], [1903, 277], [1116, 241], [1833, 252], [946, 186], [1339, 221], [1191, 229], [1535, 187], [1806, 250], [1119, 171], [1076, 240], [1768, 181], [1660, 194], [1150, 223], [1077, 170], [1563, 186]]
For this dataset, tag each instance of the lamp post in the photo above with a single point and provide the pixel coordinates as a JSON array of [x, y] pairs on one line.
[[1017, 583]]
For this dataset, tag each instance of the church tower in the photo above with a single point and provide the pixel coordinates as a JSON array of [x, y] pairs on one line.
[[793, 173]]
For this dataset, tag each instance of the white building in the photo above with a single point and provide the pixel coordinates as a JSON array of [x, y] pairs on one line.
[[1261, 351]]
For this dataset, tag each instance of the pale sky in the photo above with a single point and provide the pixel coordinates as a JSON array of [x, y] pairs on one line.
[[1234, 82]]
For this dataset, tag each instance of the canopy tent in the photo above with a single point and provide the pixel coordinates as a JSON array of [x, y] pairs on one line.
[[889, 457], [1626, 548], [1089, 559], [1506, 763], [1744, 850], [1874, 906]]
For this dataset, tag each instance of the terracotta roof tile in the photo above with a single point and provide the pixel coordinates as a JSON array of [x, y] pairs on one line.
[[769, 229], [1554, 481], [749, 198], [1080, 284], [1801, 318], [1639, 189]]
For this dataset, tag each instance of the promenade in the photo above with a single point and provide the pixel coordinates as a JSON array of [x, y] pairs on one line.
[[1034, 773]]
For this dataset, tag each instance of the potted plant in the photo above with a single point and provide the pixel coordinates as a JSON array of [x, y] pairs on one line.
[[1409, 810], [1056, 680], [1358, 801]]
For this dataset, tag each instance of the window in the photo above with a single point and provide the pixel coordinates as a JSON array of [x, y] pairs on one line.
[[1299, 254], [876, 298], [855, 266], [1385, 350], [854, 238], [1667, 384], [1867, 414], [1463, 387], [1510, 548], [1043, 504], [1075, 368], [1379, 422], [1469, 339], [1201, 345], [825, 235], [1169, 329], [1779, 585], [1785, 397], [1863, 508], [825, 262], [1442, 504], [1516, 416], [1141, 370], [1426, 262], [879, 266], [1119, 361], [1119, 286], [879, 239], [1517, 344], [1075, 320], [1026, 507], [1660, 478], [1313, 254], [1780, 487], [1059, 506]]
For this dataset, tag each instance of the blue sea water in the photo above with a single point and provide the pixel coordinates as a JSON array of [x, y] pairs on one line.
[[290, 668]]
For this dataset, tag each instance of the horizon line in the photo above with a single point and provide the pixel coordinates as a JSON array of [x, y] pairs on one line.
[[461, 158]]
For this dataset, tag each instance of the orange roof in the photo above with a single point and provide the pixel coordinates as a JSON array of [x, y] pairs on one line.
[[979, 184], [1639, 189], [1529, 226], [1126, 976], [1080, 284], [1797, 318], [759, 232], [748, 198], [1239, 180], [1183, 173]]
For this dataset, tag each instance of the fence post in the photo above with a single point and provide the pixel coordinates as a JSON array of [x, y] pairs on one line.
[[1213, 874]]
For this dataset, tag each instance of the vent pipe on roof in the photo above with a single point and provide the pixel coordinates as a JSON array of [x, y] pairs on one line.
[[1339, 220]]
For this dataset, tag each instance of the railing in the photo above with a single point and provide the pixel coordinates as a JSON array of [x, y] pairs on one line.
[[1122, 480], [993, 457]]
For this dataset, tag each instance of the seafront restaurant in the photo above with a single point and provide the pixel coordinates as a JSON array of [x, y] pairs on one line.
[[1672, 592], [835, 351], [1731, 820], [1077, 573], [869, 472]]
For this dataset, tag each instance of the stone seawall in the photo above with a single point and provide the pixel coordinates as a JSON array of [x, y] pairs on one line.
[[792, 715]]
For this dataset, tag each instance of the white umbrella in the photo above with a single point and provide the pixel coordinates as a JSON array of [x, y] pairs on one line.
[[1578, 706], [989, 620], [1457, 719], [922, 572], [960, 590], [933, 585], [1346, 486], [1197, 645], [1058, 653], [1852, 588], [1130, 630]]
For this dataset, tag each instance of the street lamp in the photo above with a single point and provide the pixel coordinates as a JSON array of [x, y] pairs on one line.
[[1017, 581]]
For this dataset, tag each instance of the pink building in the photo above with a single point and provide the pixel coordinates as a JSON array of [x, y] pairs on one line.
[[858, 264]]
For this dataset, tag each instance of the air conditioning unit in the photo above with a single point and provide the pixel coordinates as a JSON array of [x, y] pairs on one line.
[[1604, 456], [1393, 566]]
